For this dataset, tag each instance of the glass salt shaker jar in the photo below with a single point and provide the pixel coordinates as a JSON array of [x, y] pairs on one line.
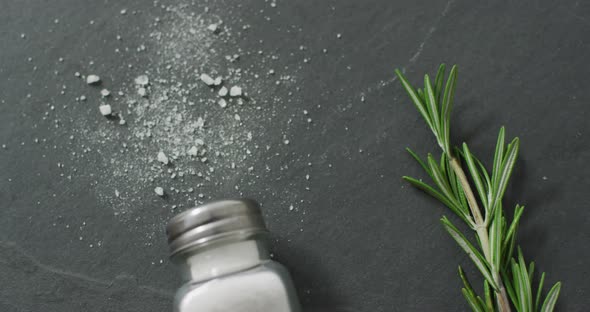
[[225, 262]]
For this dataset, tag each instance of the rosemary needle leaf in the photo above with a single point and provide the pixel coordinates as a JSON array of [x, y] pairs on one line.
[[419, 160], [510, 238], [488, 295], [504, 175], [525, 283], [472, 301], [475, 255], [415, 98], [439, 179], [434, 193], [498, 157], [496, 240], [475, 176], [438, 82], [551, 299], [432, 105], [447, 106], [539, 291]]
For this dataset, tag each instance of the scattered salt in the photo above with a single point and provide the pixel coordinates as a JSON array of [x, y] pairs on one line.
[[213, 28], [235, 91], [142, 80], [105, 92], [223, 91], [92, 79], [222, 103], [193, 151], [207, 79], [159, 191], [105, 109], [163, 158]]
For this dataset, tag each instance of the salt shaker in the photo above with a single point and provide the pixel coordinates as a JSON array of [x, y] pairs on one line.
[[225, 262]]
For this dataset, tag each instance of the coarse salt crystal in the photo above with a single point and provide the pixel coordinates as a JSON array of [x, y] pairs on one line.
[[142, 80], [207, 79], [105, 92], [163, 158], [159, 191], [142, 92], [222, 103], [92, 79], [218, 81], [223, 91], [213, 27], [193, 151], [105, 110], [235, 91]]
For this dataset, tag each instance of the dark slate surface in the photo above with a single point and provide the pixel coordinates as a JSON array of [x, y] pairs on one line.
[[366, 242]]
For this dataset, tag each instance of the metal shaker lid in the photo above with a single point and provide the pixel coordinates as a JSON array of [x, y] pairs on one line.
[[215, 221]]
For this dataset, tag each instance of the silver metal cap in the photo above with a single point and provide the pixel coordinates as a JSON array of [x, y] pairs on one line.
[[234, 219]]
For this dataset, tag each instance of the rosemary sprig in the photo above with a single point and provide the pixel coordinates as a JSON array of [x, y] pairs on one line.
[[508, 281]]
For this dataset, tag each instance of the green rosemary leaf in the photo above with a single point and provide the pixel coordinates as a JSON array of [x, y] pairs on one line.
[[518, 287], [432, 105], [539, 291], [525, 283], [434, 193], [417, 101], [496, 241], [475, 256], [531, 271], [440, 180], [475, 176], [447, 106], [498, 158], [419, 160], [474, 304], [466, 283], [488, 295], [551, 299], [504, 175], [484, 174], [438, 82], [509, 289], [510, 238]]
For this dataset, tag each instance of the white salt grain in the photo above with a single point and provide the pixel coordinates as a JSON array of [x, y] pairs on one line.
[[200, 142], [163, 158], [207, 79], [222, 103], [105, 92], [105, 110], [92, 79], [218, 81], [159, 191], [223, 91], [193, 151], [235, 91], [213, 28], [142, 92], [142, 80], [237, 117]]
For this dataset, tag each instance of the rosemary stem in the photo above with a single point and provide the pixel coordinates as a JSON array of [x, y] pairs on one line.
[[482, 232]]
